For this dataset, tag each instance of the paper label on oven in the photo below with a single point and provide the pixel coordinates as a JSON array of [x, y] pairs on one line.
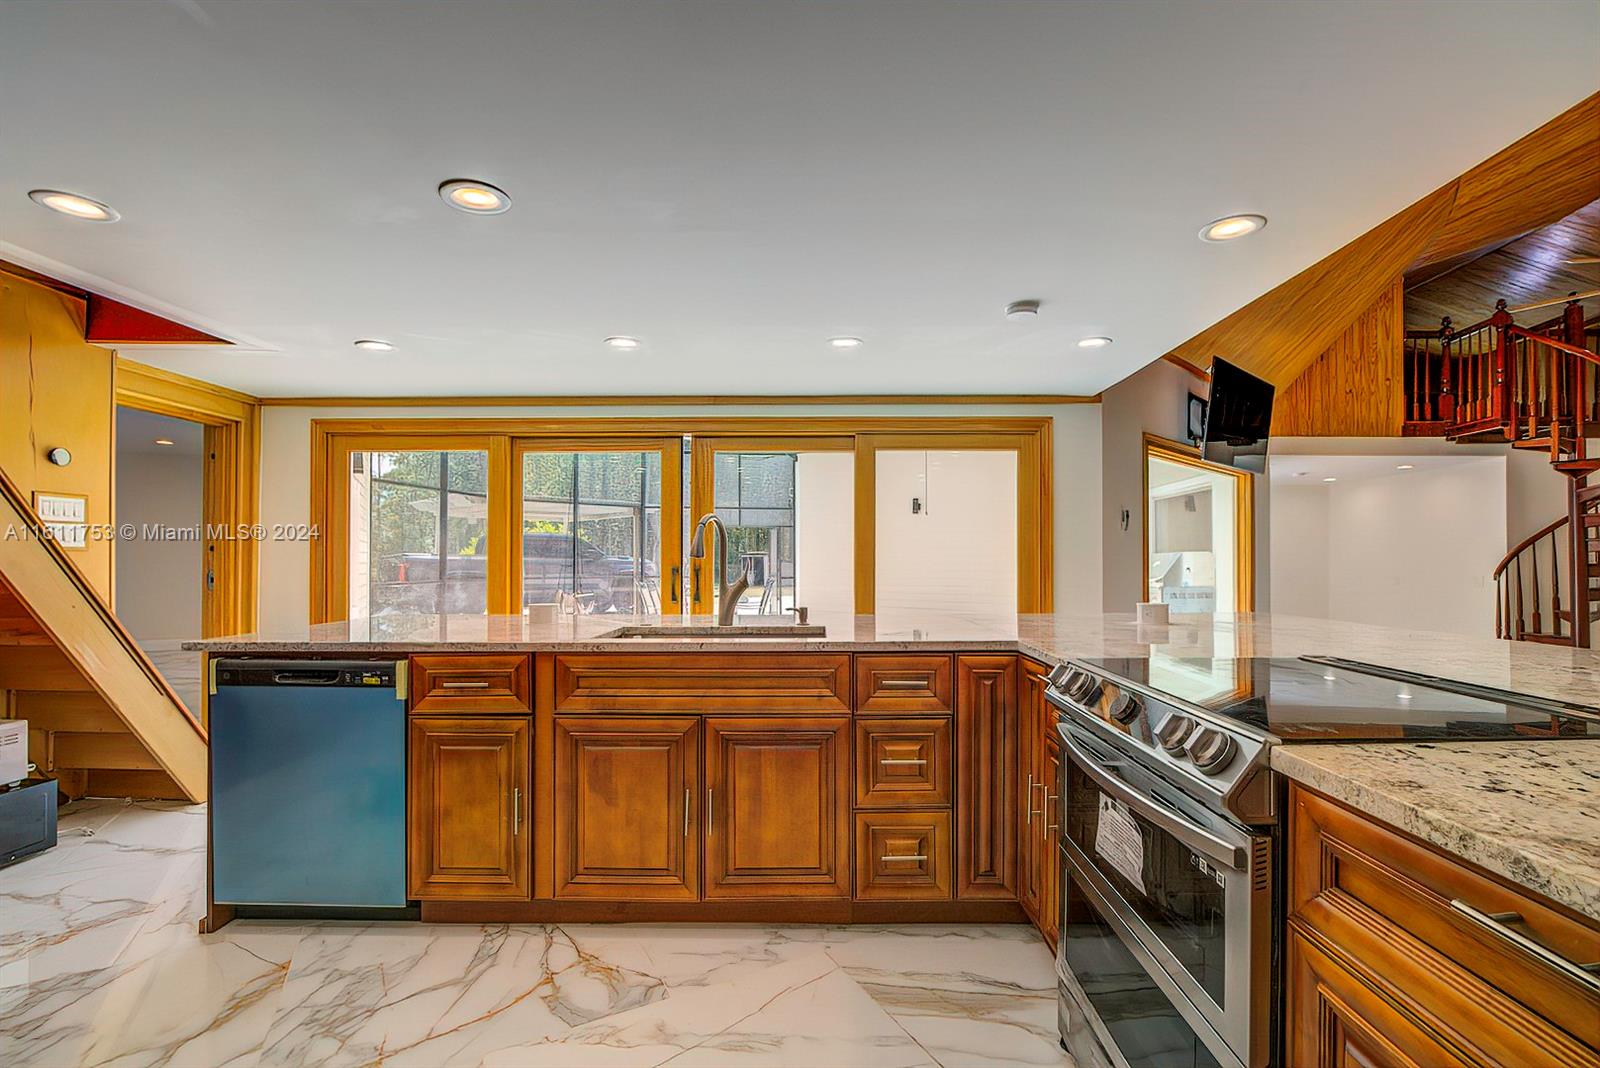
[[1117, 840]]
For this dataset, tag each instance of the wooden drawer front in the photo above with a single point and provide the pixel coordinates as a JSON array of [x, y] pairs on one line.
[[627, 803], [1348, 873], [896, 685], [903, 855], [754, 682], [471, 684], [902, 763]]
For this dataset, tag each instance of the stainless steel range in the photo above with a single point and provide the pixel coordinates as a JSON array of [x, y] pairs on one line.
[[1172, 866]]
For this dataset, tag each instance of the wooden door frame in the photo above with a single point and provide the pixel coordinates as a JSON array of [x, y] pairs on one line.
[[231, 490], [1244, 513]]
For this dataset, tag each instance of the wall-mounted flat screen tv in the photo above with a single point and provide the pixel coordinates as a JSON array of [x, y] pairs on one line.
[[1238, 417]]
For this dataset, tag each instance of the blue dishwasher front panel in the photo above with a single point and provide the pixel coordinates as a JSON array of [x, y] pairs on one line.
[[308, 785]]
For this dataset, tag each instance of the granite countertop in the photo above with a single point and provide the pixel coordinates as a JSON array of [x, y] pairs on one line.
[[1525, 810]]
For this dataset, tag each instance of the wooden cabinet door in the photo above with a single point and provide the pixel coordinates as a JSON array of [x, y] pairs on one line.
[[987, 790], [626, 807], [1338, 1021], [777, 807], [1050, 854], [1034, 854], [467, 800]]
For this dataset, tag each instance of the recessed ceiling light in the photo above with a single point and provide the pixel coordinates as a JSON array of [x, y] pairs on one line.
[[74, 205], [475, 197], [1231, 227], [1404, 467], [164, 441], [845, 342], [372, 344], [1094, 342], [1330, 479], [620, 342], [1022, 310]]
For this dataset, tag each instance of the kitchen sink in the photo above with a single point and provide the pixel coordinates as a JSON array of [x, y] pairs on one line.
[[738, 630]]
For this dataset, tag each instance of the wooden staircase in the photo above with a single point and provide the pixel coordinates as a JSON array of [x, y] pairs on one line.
[[1537, 388], [101, 719]]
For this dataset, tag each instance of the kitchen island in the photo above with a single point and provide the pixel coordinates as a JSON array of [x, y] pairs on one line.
[[911, 770]]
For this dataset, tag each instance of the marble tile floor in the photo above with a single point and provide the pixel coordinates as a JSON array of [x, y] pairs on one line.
[[100, 965]]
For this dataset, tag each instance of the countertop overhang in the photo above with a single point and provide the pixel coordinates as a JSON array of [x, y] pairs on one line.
[[1524, 810]]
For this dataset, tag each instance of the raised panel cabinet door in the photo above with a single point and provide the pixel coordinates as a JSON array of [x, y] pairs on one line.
[[1034, 852], [1338, 1021], [627, 797], [1050, 856], [777, 807], [987, 813], [467, 801]]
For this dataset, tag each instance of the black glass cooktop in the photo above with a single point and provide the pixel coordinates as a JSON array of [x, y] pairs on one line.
[[1323, 699]]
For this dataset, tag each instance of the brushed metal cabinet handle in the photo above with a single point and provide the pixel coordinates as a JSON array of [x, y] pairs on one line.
[[1049, 806], [710, 793], [468, 685], [1027, 803], [516, 811], [902, 684], [904, 856], [902, 760], [1495, 923], [686, 812]]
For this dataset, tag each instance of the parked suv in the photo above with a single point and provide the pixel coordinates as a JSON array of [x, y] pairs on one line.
[[407, 580]]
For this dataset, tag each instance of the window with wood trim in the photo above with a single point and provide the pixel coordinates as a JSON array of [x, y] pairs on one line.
[[593, 515]]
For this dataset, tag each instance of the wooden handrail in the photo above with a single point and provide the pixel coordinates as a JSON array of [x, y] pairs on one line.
[[20, 504], [1560, 346], [1543, 532]]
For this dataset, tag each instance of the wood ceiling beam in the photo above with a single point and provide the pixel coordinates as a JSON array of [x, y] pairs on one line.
[[1534, 182]]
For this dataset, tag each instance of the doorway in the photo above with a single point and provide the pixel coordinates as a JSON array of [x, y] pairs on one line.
[[159, 571], [1199, 533]]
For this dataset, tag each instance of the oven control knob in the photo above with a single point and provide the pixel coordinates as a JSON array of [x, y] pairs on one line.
[[1124, 707], [1174, 732], [1211, 750], [1083, 688]]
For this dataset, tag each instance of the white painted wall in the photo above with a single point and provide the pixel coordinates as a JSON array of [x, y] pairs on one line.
[[1077, 443], [824, 531], [958, 550], [158, 582], [1299, 563], [1410, 549]]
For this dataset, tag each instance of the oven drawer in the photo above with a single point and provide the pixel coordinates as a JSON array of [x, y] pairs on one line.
[[897, 685], [471, 683], [902, 763], [903, 856], [1381, 899]]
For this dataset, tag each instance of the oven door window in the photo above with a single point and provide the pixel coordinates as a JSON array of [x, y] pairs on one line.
[[1140, 1019], [1178, 893]]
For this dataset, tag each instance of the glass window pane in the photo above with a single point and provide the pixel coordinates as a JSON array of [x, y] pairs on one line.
[[591, 529], [791, 528], [946, 532], [418, 532], [1190, 521]]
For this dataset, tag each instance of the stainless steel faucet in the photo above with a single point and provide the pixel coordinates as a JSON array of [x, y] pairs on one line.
[[727, 596]]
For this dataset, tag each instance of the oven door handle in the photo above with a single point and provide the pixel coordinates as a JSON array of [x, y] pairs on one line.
[[1196, 837]]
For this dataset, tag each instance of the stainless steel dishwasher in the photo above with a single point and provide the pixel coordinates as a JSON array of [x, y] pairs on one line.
[[308, 769]]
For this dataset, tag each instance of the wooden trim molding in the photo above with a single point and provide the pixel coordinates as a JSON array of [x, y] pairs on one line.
[[232, 486], [677, 400], [1244, 511]]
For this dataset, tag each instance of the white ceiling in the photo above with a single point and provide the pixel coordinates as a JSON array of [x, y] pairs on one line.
[[138, 431], [1310, 471], [734, 182]]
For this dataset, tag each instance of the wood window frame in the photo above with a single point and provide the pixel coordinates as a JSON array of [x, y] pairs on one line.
[[332, 441], [1244, 542], [231, 491]]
